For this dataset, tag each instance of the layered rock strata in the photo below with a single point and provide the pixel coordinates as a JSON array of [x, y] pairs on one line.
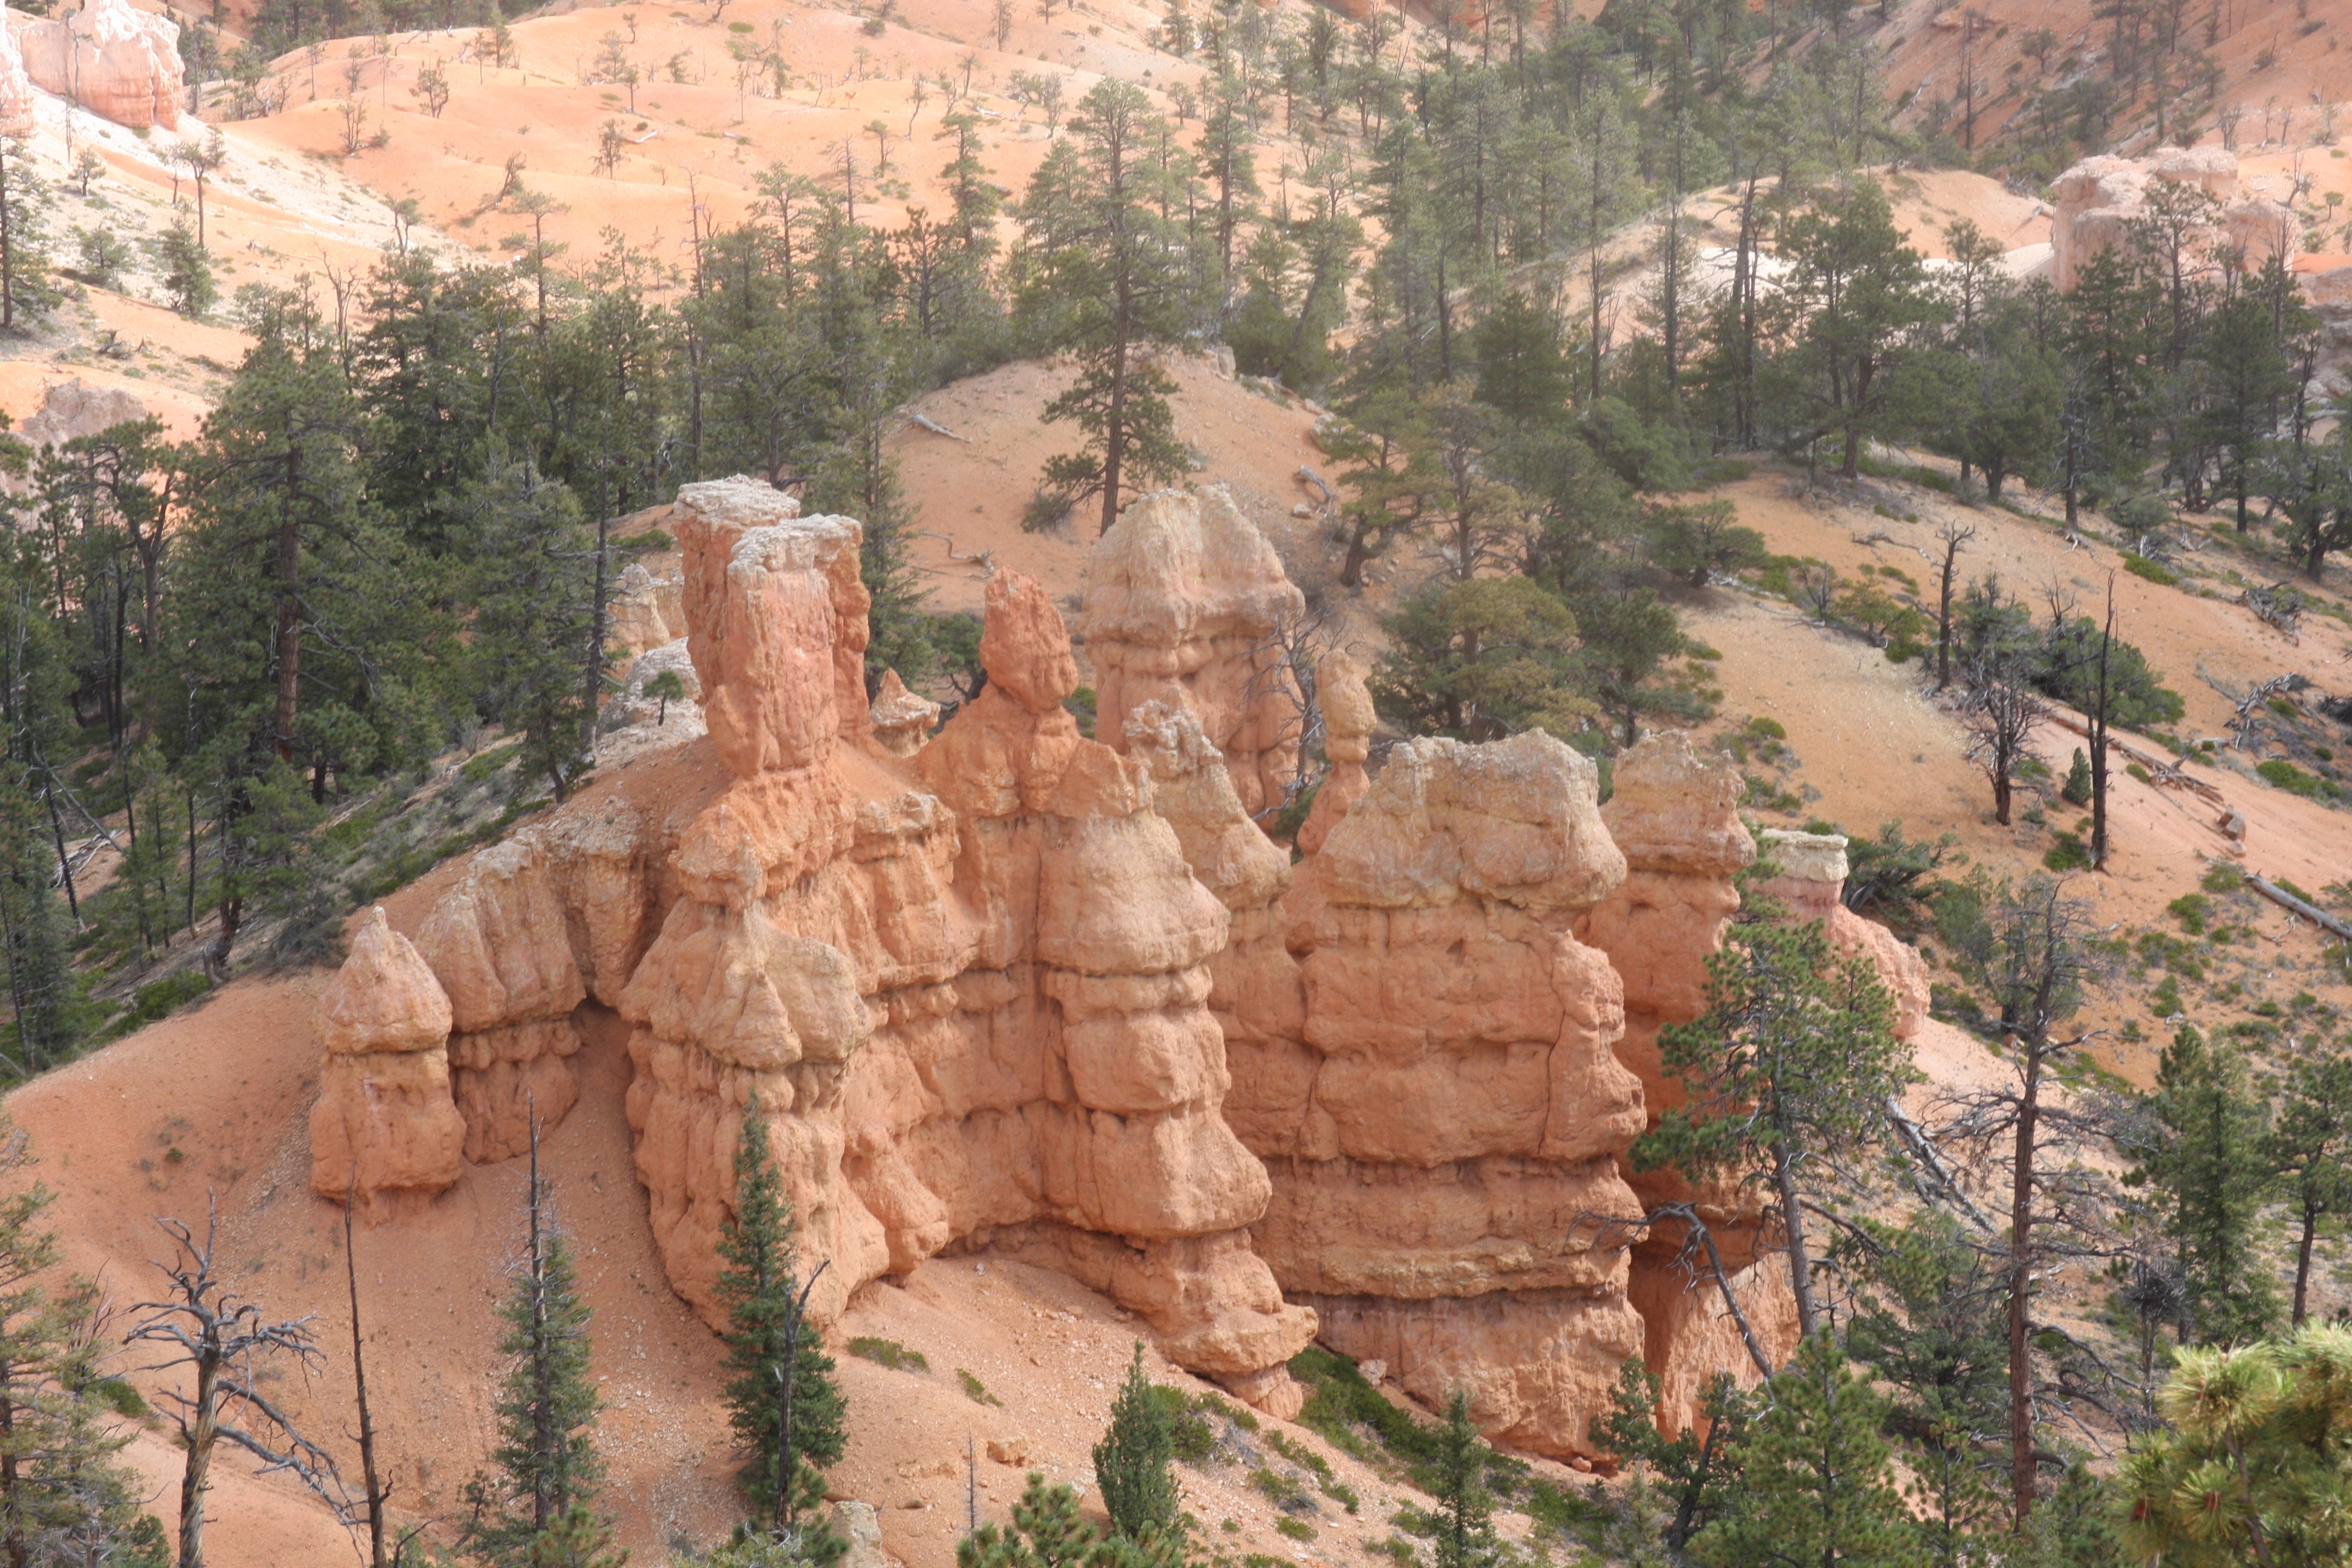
[[1441, 1127], [118, 62], [962, 993], [385, 1122], [16, 87], [1188, 604]]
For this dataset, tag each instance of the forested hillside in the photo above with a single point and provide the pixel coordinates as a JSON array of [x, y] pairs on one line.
[[1591, 374]]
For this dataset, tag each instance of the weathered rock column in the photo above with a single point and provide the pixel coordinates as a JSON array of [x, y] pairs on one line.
[[384, 1124]]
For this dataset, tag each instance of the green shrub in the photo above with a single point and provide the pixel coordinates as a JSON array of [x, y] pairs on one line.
[[1296, 1529], [1190, 1436], [975, 1390], [2221, 876], [162, 997], [1765, 729], [2076, 790], [889, 1354], [2190, 910], [2139, 772], [2141, 566], [2280, 773], [2068, 854]]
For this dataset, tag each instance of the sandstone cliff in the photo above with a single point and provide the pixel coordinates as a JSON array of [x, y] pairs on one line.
[[116, 61], [966, 991]]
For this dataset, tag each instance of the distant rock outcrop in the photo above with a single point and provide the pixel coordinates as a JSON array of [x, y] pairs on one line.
[[16, 87], [112, 59], [2100, 199]]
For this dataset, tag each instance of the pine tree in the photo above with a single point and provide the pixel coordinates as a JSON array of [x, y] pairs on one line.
[[1047, 1532], [536, 561], [546, 1464], [1457, 1482], [1116, 273], [772, 1353], [2076, 790], [1816, 1488], [2310, 1148], [1131, 1462], [2208, 1165], [63, 1496], [577, 1539], [1789, 1072]]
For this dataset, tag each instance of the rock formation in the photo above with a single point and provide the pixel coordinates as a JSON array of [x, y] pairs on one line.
[[1674, 815], [1441, 1127], [965, 992], [16, 87], [648, 608], [385, 1122], [118, 62], [1005, 987], [1810, 879], [902, 721], [2101, 198], [1347, 724], [1185, 604]]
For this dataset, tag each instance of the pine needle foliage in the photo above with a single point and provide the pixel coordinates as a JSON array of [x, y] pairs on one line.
[[1132, 1461], [545, 1466], [764, 1297]]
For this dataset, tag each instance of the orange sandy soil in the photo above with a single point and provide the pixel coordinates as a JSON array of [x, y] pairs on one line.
[[973, 491], [2310, 64], [702, 138], [1877, 747], [214, 1101]]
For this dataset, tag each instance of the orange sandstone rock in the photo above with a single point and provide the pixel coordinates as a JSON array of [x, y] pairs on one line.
[[1442, 1132], [1347, 724], [385, 1122], [118, 62], [1184, 598], [16, 87]]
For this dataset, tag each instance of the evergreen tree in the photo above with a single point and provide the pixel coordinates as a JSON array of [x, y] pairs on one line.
[[24, 288], [2310, 1148], [536, 610], [1047, 1532], [1697, 1475], [577, 1539], [2252, 1470], [545, 1464], [1789, 1072], [1815, 1486], [1457, 1483], [1480, 660], [772, 1353], [1926, 1322], [1115, 269], [2207, 1164], [1131, 1462]]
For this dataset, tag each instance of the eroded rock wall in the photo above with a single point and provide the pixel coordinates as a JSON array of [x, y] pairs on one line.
[[109, 57], [963, 983], [1187, 604]]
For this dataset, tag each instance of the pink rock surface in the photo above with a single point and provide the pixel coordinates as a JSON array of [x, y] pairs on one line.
[[1442, 1126], [776, 623], [385, 1123], [16, 87], [1184, 598], [118, 62]]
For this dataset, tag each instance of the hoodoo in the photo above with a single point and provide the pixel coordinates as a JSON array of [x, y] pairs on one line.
[[1005, 987]]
